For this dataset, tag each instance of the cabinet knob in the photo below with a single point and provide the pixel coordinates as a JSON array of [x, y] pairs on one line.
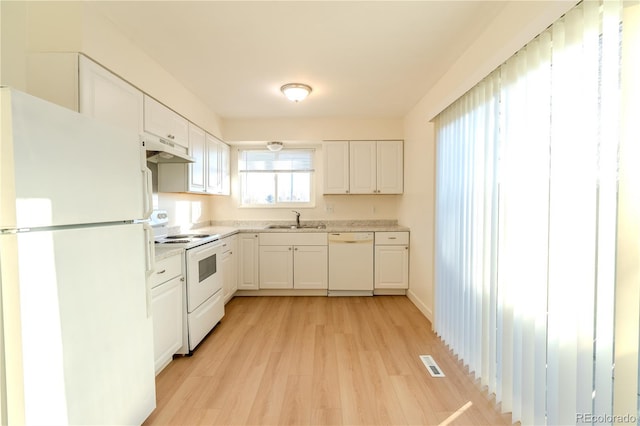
[[346, 192], [289, 248]]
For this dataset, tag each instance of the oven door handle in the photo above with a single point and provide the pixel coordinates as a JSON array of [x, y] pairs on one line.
[[205, 250]]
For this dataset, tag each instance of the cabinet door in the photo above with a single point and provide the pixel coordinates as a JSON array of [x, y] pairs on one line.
[[392, 267], [310, 267], [225, 169], [213, 165], [166, 307], [165, 123], [389, 173], [225, 265], [248, 262], [229, 268], [108, 98], [362, 167], [336, 167], [197, 151], [276, 267]]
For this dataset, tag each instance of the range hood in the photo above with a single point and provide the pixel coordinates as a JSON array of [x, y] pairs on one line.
[[164, 151]]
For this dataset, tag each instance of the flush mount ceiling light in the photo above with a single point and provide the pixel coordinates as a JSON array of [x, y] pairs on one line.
[[274, 146], [296, 91]]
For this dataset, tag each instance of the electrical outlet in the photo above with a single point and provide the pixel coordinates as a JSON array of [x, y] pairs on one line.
[[328, 208]]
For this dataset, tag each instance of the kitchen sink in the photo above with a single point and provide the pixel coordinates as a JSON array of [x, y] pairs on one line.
[[320, 226]]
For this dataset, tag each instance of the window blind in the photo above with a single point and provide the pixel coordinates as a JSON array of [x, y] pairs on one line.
[[526, 223], [290, 160]]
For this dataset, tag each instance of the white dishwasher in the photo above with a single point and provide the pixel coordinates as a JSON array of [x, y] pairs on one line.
[[351, 264]]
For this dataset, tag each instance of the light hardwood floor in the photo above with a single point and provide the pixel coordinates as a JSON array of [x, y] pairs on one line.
[[320, 361]]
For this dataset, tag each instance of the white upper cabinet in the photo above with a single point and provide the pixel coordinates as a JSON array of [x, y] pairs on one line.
[[209, 174], [390, 167], [108, 98], [197, 143], [225, 169], [165, 123], [363, 167], [76, 82], [218, 166], [214, 170], [336, 167]]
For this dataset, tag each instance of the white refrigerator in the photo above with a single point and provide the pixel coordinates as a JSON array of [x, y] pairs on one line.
[[75, 323]]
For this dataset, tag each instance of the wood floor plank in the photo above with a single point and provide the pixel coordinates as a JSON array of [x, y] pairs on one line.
[[320, 361]]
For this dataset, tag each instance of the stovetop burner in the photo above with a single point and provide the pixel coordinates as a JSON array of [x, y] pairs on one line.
[[190, 236], [187, 240], [159, 220]]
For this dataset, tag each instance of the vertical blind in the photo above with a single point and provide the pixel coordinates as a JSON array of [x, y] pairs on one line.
[[526, 187]]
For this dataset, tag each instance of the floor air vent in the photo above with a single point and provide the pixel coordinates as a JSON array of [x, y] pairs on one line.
[[431, 365]]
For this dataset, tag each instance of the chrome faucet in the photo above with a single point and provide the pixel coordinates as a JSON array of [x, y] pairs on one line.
[[297, 218]]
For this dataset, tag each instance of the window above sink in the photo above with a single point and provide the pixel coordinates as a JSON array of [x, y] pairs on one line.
[[276, 179]]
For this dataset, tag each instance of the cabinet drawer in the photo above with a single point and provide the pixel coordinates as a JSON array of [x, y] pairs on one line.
[[293, 239], [392, 238], [166, 269]]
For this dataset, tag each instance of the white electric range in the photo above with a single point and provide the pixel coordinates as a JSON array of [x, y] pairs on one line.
[[204, 307]]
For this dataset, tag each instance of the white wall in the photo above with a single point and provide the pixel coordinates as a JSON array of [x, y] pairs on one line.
[[517, 24], [13, 44]]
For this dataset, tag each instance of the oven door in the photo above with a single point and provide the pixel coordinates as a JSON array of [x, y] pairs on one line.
[[204, 276]]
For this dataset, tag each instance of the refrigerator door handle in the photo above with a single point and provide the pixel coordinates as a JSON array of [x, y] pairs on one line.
[[149, 263], [147, 192]]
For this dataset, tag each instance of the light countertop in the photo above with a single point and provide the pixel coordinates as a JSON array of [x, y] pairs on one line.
[[227, 229]]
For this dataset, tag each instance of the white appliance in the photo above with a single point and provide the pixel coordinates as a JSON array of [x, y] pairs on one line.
[[204, 307], [74, 266], [350, 264], [164, 151]]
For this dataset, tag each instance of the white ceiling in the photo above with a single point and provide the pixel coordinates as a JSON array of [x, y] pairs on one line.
[[362, 58]]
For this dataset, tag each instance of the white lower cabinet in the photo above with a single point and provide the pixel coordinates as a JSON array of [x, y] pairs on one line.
[[293, 261], [391, 260], [276, 267], [229, 267], [248, 262], [167, 309], [310, 267]]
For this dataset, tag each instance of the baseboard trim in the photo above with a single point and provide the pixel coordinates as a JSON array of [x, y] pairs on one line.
[[420, 305]]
